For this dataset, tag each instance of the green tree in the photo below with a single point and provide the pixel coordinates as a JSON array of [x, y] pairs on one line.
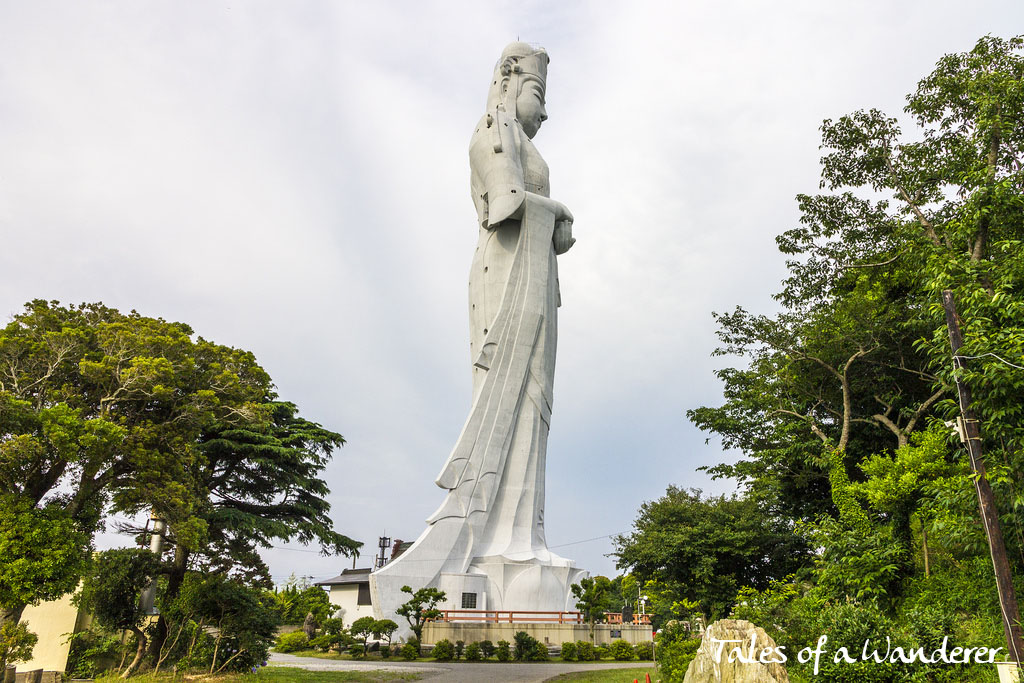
[[110, 592], [593, 597], [16, 644], [705, 548], [420, 607], [100, 408], [242, 617], [384, 628], [362, 628], [42, 555]]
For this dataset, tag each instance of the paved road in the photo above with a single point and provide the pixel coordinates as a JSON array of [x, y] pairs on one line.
[[461, 672]]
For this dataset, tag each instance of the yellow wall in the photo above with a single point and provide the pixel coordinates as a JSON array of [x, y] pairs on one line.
[[52, 621]]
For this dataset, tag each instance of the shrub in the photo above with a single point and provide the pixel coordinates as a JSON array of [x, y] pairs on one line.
[[322, 643], [92, 653], [676, 649], [460, 645], [621, 651], [443, 650], [568, 653], [850, 624], [525, 646], [644, 651], [585, 651], [600, 652], [356, 650], [539, 652], [486, 648], [502, 651], [292, 642], [473, 652], [410, 652], [385, 651]]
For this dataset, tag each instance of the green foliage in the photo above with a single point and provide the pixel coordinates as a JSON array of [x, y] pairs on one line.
[[676, 648], [292, 642], [42, 553], [644, 651], [524, 646], [585, 651], [111, 587], [384, 628], [245, 619], [593, 597], [621, 651], [362, 628], [706, 548], [90, 653], [601, 652], [837, 404], [473, 652], [486, 648], [443, 650], [460, 646], [420, 607], [410, 651], [569, 652], [503, 651], [333, 635], [16, 643], [103, 411], [298, 598]]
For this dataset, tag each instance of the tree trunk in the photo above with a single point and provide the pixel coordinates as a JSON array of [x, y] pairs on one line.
[[140, 651], [174, 580], [11, 614]]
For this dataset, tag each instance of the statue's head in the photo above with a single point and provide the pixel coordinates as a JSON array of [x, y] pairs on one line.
[[519, 84]]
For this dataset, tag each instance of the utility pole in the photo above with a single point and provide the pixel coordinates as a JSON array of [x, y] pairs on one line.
[[986, 501], [156, 546]]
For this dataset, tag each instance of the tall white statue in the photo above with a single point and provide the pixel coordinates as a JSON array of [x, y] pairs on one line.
[[485, 545]]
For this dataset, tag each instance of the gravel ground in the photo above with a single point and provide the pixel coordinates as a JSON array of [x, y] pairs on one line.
[[462, 672]]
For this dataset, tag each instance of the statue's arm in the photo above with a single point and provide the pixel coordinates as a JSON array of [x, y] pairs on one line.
[[499, 191]]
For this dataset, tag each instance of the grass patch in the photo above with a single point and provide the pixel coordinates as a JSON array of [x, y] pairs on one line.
[[610, 675], [273, 674]]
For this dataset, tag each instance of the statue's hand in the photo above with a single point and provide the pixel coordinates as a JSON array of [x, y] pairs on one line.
[[562, 213], [562, 237]]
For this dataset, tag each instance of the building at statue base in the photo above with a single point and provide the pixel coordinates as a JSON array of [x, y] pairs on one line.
[[350, 591], [549, 633]]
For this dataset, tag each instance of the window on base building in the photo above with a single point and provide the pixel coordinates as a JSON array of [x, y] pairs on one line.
[[469, 601], [364, 594]]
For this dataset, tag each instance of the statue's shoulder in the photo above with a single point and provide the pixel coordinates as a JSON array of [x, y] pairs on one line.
[[496, 133], [496, 169]]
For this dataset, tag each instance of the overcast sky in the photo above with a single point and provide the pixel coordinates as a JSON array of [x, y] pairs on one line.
[[292, 178]]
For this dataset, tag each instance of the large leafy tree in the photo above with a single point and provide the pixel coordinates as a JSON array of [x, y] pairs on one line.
[[101, 410], [857, 362], [704, 549]]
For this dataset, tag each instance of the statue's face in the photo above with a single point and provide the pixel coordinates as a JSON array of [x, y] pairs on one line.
[[530, 107]]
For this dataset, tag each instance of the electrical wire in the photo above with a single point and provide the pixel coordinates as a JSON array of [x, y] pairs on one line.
[[1002, 360]]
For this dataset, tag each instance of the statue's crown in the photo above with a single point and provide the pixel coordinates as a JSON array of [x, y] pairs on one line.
[[524, 59]]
